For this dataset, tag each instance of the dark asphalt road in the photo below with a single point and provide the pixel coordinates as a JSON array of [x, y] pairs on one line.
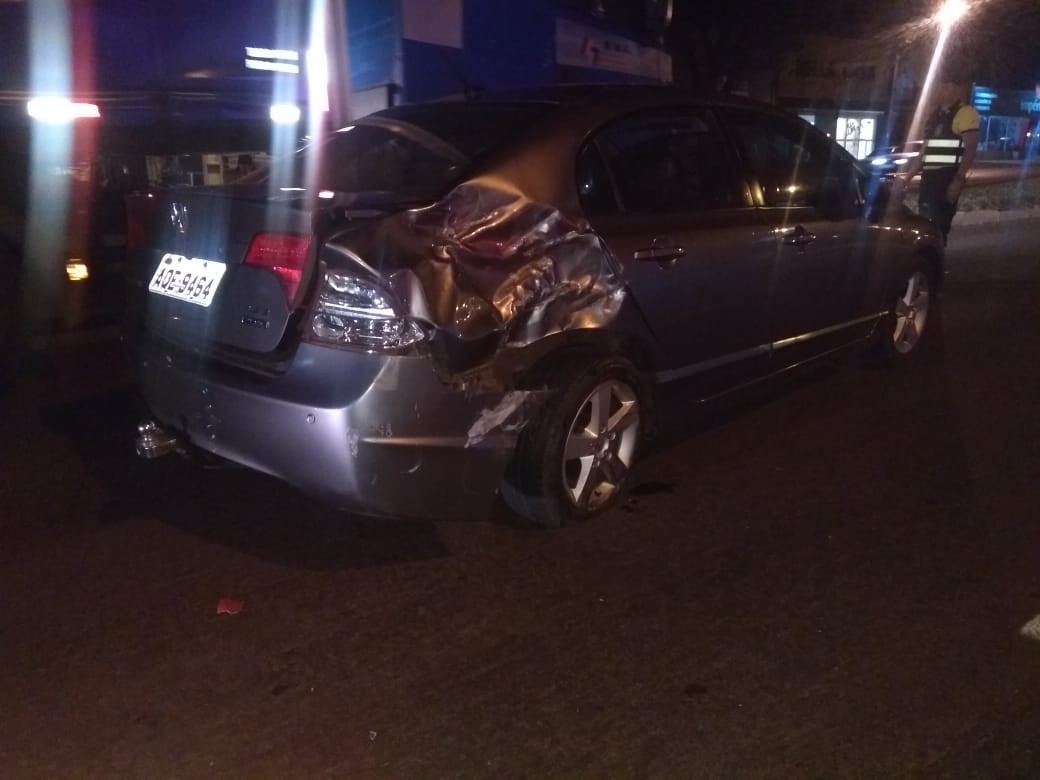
[[828, 581]]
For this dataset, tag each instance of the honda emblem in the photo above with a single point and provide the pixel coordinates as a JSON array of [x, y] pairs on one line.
[[179, 217]]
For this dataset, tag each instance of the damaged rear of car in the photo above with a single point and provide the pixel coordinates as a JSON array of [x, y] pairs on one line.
[[443, 303], [368, 319]]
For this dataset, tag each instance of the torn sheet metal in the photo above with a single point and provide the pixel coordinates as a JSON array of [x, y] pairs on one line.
[[487, 260], [509, 415]]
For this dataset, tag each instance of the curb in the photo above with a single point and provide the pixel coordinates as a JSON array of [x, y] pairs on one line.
[[985, 216]]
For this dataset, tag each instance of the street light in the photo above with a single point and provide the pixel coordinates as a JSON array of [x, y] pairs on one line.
[[951, 12], [946, 17]]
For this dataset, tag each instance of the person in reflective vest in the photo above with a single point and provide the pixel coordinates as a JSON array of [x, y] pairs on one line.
[[950, 144]]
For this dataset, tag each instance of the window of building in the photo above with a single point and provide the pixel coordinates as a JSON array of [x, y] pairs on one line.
[[856, 135], [1002, 133]]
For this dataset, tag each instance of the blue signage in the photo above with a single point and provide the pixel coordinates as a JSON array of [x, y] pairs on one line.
[[982, 99]]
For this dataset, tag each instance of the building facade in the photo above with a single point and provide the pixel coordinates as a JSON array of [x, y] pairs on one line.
[[847, 88], [414, 50], [865, 94], [1010, 126]]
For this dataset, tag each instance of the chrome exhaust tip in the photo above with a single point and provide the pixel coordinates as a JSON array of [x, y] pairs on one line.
[[153, 442]]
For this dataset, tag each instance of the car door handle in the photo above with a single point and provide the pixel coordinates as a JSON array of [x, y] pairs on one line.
[[800, 237], [660, 254]]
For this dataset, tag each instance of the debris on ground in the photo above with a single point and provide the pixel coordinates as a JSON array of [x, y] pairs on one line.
[[229, 606]]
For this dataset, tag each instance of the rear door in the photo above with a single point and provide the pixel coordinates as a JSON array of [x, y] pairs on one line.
[[810, 196], [661, 187]]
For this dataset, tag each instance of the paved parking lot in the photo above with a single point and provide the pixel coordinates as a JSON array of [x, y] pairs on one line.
[[827, 580]]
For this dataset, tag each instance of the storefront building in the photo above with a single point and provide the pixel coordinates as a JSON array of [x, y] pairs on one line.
[[203, 93], [1009, 126], [842, 87], [865, 95], [414, 50]]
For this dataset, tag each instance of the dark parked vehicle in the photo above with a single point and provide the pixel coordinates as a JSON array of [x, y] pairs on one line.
[[893, 159], [443, 302]]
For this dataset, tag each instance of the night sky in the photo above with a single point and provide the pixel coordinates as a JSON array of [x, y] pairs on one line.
[[998, 42]]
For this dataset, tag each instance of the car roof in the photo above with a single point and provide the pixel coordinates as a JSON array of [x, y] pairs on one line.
[[532, 162], [579, 95]]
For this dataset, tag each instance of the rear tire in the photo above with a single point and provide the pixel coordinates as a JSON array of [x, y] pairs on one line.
[[575, 455]]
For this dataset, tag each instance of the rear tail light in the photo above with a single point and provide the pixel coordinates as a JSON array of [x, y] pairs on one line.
[[354, 312], [134, 234], [140, 219], [283, 253]]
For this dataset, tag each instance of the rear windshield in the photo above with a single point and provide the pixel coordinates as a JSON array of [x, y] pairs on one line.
[[413, 153], [472, 128]]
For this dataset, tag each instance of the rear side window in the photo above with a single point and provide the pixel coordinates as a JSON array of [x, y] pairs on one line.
[[794, 166], [657, 163], [474, 129]]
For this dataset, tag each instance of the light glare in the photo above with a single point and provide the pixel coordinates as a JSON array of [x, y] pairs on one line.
[[279, 67], [285, 114], [257, 52], [318, 79], [951, 11], [57, 110]]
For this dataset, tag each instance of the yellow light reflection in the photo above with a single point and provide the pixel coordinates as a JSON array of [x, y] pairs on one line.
[[77, 270]]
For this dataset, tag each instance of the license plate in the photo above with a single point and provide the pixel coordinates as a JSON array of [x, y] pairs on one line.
[[190, 279]]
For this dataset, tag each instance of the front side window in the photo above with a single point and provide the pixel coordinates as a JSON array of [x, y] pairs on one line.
[[662, 162], [792, 164]]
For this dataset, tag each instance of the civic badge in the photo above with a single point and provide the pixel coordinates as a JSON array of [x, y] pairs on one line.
[[179, 217]]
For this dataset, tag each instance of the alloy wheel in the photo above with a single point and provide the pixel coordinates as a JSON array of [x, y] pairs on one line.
[[601, 444], [911, 313]]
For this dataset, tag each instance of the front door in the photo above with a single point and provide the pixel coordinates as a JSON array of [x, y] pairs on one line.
[[810, 197]]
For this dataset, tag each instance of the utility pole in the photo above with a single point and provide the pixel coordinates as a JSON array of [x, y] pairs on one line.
[[890, 118], [337, 47]]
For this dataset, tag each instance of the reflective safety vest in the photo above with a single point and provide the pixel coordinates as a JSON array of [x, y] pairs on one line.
[[943, 147]]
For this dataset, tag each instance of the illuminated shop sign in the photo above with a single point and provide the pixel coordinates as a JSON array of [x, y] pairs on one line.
[[583, 46], [278, 60], [1005, 102], [982, 99]]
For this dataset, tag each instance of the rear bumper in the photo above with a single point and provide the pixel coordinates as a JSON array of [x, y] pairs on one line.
[[376, 435]]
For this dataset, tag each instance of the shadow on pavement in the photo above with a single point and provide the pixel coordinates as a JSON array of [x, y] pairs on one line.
[[229, 506]]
